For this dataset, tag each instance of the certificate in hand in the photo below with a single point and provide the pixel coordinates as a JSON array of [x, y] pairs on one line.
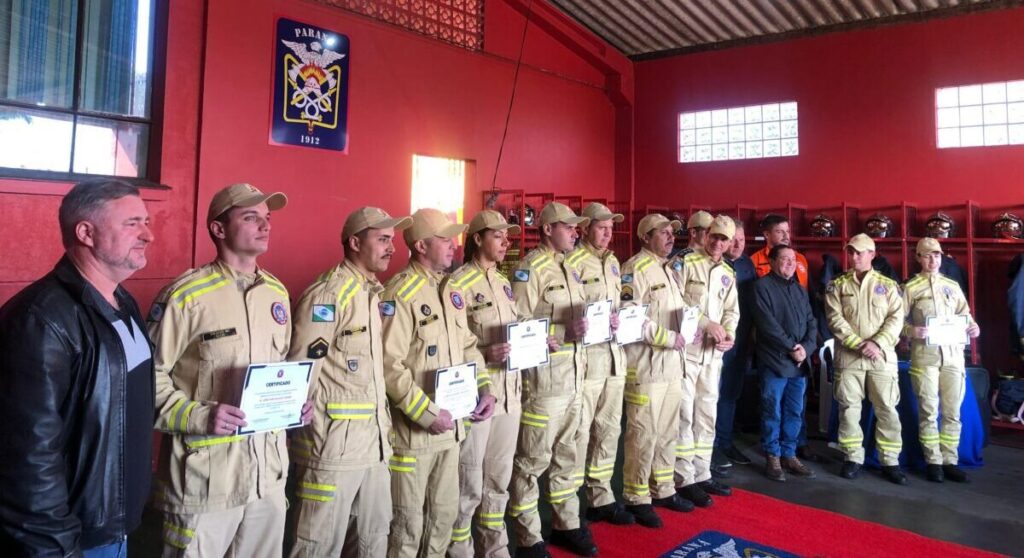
[[599, 324], [689, 322], [631, 324], [273, 395], [455, 389], [944, 331], [529, 344]]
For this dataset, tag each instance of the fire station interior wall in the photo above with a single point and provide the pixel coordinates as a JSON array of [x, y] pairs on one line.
[[408, 95], [866, 128]]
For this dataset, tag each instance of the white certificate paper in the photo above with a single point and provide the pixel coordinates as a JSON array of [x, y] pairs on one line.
[[631, 324], [944, 331], [599, 324], [455, 389], [273, 395], [689, 322], [529, 344]]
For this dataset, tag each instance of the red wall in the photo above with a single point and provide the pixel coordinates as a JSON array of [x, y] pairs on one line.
[[867, 123], [408, 95], [867, 132]]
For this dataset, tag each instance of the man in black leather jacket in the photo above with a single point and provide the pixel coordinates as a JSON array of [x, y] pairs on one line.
[[76, 387]]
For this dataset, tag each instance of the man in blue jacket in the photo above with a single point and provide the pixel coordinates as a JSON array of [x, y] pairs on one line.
[[786, 332]]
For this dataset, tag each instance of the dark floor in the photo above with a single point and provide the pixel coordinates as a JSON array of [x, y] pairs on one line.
[[986, 514]]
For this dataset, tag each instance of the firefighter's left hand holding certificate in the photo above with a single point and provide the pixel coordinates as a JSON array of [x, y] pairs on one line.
[[273, 395]]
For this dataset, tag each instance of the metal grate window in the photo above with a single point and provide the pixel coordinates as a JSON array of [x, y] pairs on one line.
[[459, 22]]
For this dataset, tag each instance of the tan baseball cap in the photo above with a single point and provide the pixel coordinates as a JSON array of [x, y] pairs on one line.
[[372, 218], [430, 222], [928, 245], [722, 225], [555, 212], [861, 243], [600, 212], [656, 221], [491, 219], [242, 195], [699, 220]]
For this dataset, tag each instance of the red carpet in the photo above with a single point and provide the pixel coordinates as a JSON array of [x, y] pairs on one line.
[[799, 530]]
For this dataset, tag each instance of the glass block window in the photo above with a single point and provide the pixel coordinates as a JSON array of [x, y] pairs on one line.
[[459, 22], [75, 82], [751, 132], [977, 115]]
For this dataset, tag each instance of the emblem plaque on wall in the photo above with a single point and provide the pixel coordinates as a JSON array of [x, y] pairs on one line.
[[311, 78]]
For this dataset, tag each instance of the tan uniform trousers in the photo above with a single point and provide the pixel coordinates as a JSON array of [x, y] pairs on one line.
[[883, 390], [342, 513], [934, 384], [597, 440], [652, 429], [547, 442], [254, 530], [697, 414], [423, 486], [485, 471]]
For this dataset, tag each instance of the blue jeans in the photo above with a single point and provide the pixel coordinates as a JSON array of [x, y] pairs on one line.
[[114, 550], [782, 409], [730, 387]]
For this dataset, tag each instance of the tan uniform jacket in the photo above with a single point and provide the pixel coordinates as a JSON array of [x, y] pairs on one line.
[[490, 306], [711, 287], [208, 326], [546, 287], [600, 274], [338, 326], [648, 279], [928, 295], [870, 309], [425, 329]]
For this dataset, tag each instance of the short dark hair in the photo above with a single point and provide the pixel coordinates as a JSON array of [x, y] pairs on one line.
[[361, 235], [772, 219], [776, 250], [85, 200]]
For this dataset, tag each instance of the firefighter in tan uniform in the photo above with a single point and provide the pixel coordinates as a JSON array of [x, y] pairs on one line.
[[864, 310], [545, 286], [425, 329], [222, 492], [597, 439], [708, 282], [344, 486], [937, 373], [485, 460], [653, 390]]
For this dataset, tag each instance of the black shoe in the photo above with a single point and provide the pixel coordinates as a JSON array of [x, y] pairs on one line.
[[613, 513], [720, 472], [539, 550], [695, 494], [736, 456], [675, 503], [893, 474], [645, 515], [850, 470], [934, 473], [955, 474], [577, 541], [719, 459], [805, 454], [712, 486]]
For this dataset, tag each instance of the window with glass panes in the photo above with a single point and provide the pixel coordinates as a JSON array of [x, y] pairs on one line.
[[75, 81], [750, 132]]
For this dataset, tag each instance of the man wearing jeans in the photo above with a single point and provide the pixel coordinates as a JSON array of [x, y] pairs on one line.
[[786, 332]]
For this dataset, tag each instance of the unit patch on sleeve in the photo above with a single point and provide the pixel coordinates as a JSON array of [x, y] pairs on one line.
[[387, 308], [457, 301], [280, 314], [521, 275], [627, 278], [156, 313], [508, 293]]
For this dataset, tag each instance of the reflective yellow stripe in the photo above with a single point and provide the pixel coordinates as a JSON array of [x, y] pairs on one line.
[[187, 286], [419, 411], [492, 522], [344, 291], [214, 441], [192, 294], [403, 458], [636, 398], [315, 486], [276, 286], [499, 515], [398, 469], [410, 287], [643, 264], [535, 416], [528, 507], [314, 497], [415, 401], [532, 423], [179, 530]]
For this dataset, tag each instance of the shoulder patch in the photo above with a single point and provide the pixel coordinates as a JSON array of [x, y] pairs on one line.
[[387, 308], [521, 275], [156, 312], [627, 293], [280, 314], [457, 301], [677, 265], [508, 293], [627, 278], [615, 270]]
